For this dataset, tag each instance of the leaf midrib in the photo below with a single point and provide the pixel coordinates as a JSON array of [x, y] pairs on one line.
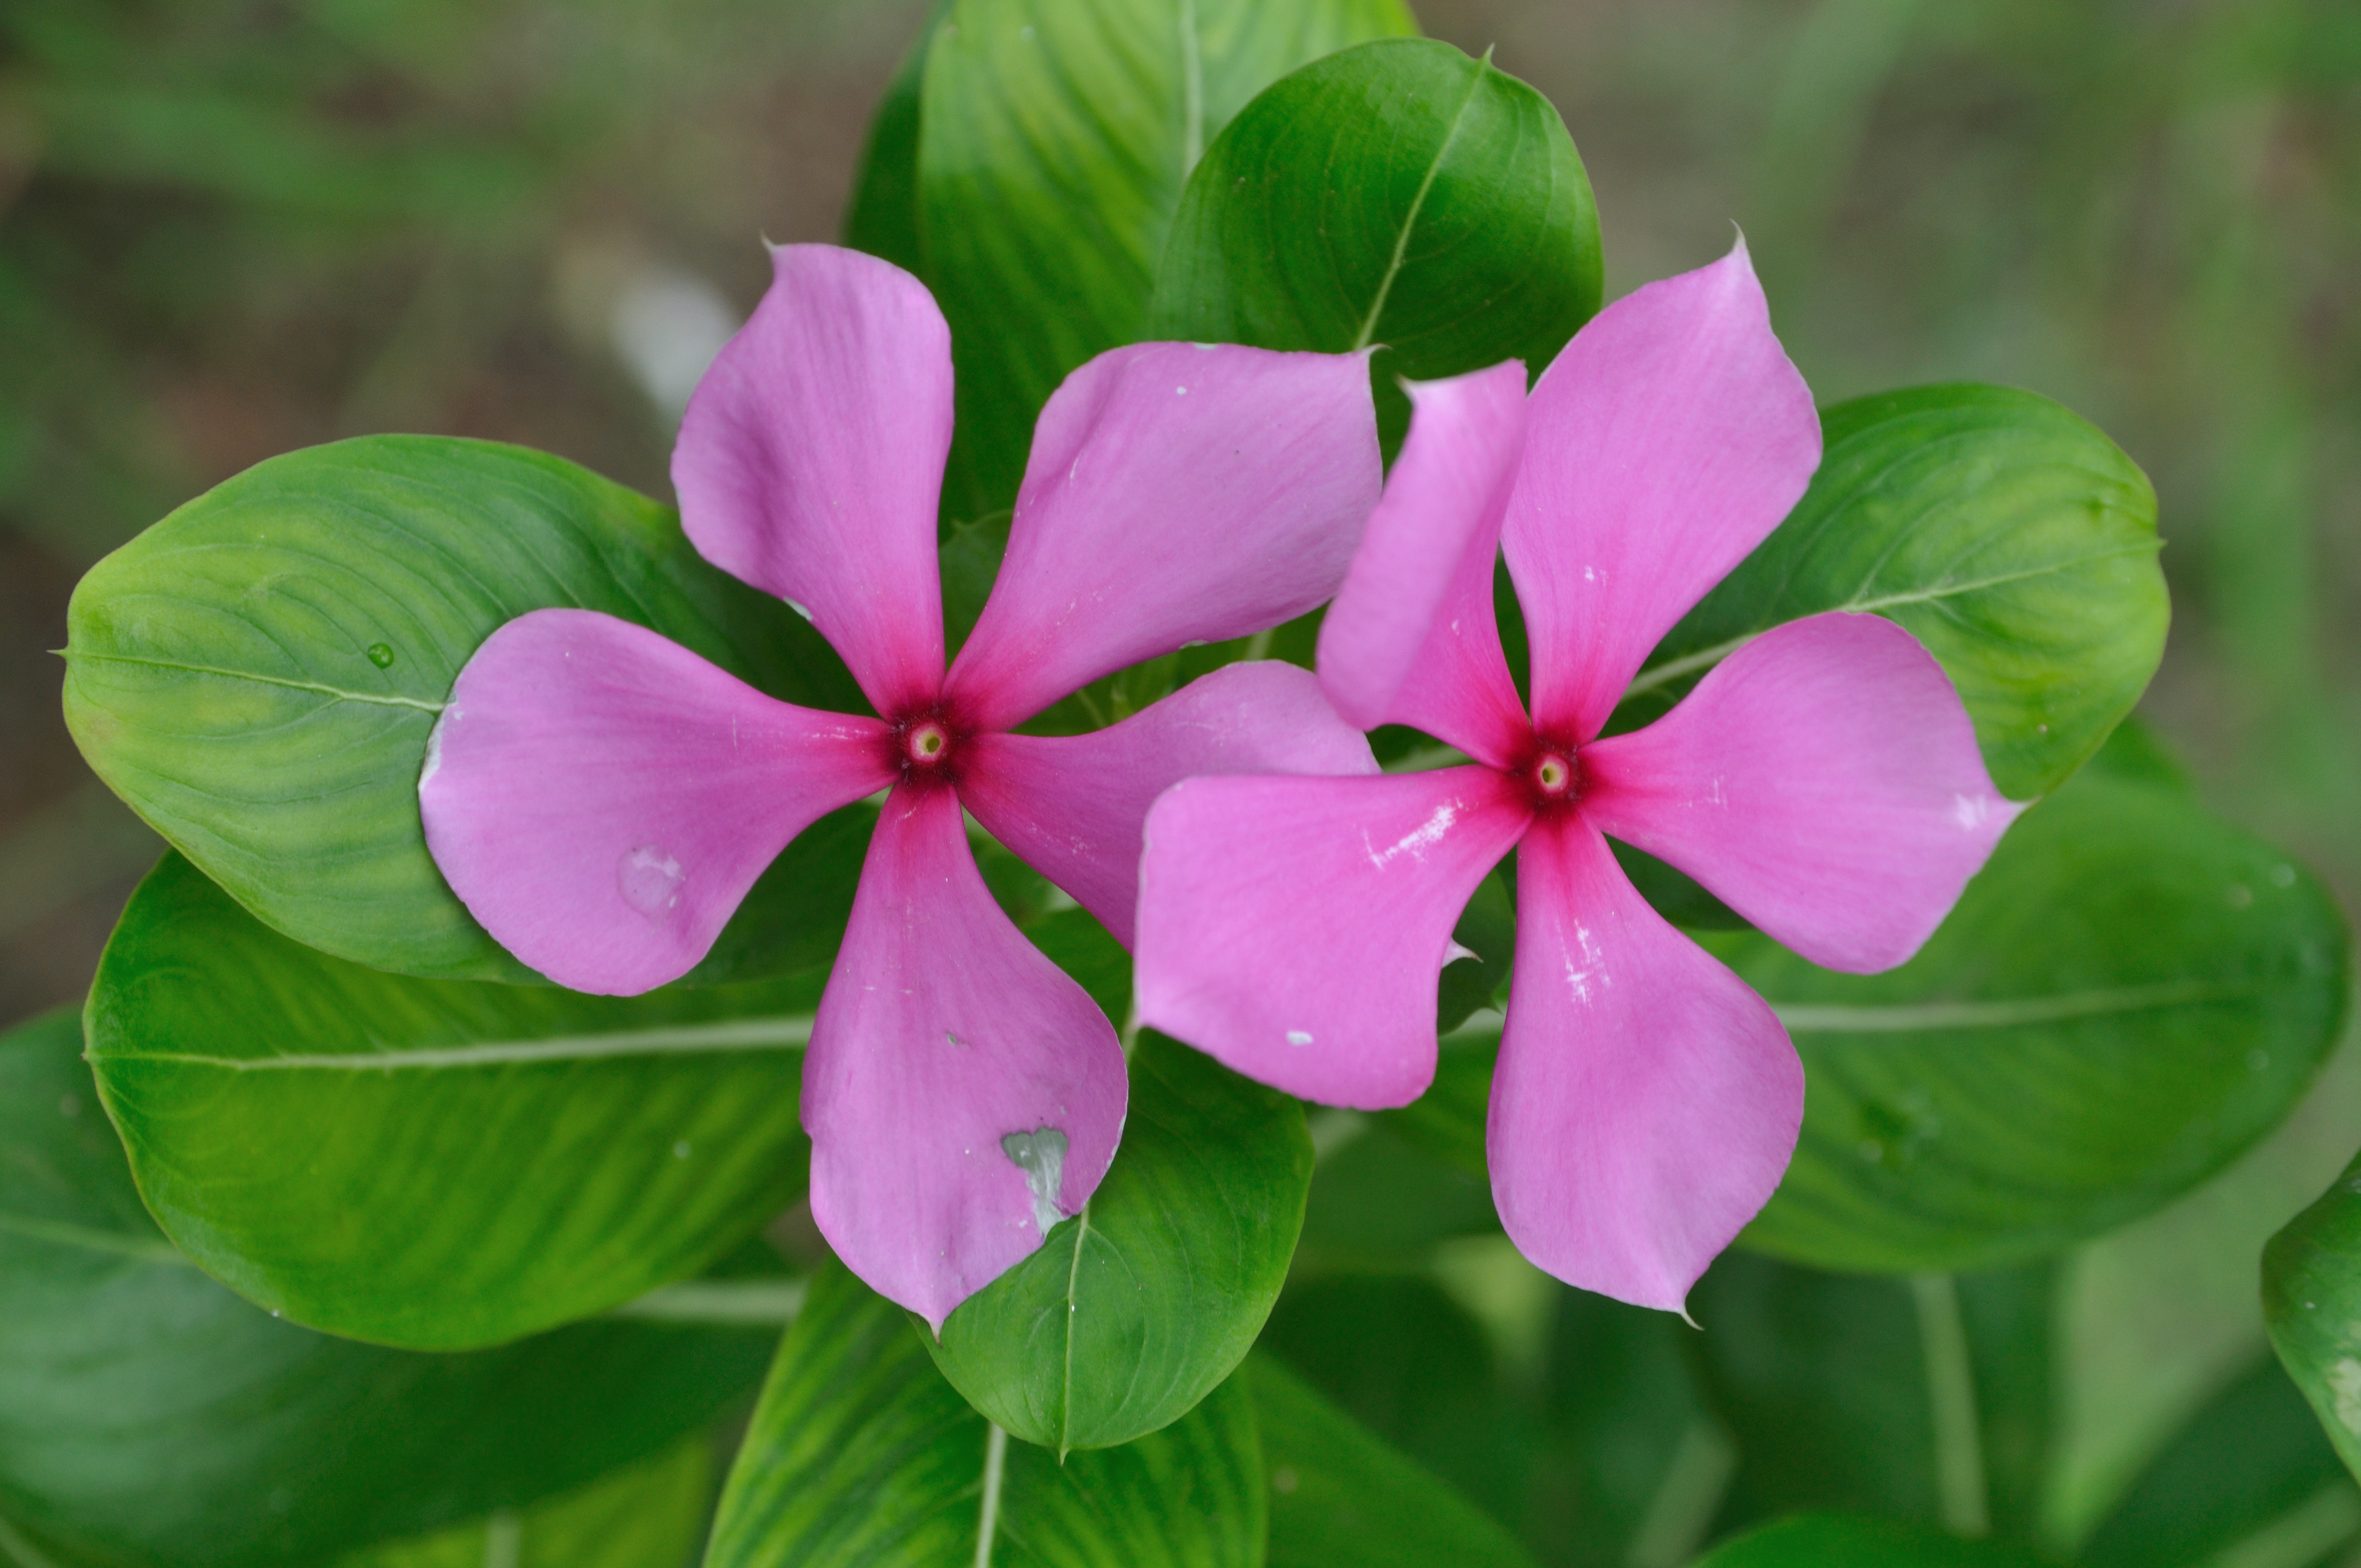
[[1410, 219], [731, 1036], [1843, 1018], [321, 687]]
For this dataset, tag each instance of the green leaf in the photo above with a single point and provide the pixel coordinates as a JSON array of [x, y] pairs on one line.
[[1398, 195], [1382, 1199], [148, 1416], [1927, 1399], [2253, 1467], [2008, 534], [1134, 1310], [258, 673], [861, 1456], [1837, 1541], [649, 1515], [1339, 1495], [437, 1163], [2312, 1300], [2129, 995], [883, 217], [1054, 141]]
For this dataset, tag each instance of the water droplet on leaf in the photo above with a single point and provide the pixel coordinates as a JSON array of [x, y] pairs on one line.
[[381, 656]]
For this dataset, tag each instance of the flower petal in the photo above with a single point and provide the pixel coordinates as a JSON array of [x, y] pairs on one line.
[[1646, 1102], [1823, 781], [810, 461], [1411, 639], [962, 1094], [1176, 493], [1073, 805], [1665, 441], [1296, 928], [601, 798]]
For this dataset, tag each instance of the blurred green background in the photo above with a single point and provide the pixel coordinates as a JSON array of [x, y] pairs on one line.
[[231, 227]]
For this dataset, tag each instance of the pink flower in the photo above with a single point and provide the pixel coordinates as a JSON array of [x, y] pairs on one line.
[[1823, 780], [603, 798]]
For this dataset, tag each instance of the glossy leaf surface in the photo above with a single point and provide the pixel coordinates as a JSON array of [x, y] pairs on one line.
[[435, 1163], [1054, 141], [258, 673], [1137, 1307], [1340, 1494], [2008, 534], [861, 1455], [149, 1416], [2311, 1296], [1400, 195], [2129, 995]]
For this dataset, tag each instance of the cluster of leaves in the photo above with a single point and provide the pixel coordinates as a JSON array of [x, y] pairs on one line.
[[520, 1226]]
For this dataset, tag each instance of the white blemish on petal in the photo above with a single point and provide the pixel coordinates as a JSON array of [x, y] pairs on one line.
[[799, 610], [954, 1039], [1971, 810], [2344, 1380], [1298, 1037], [650, 880], [435, 746], [1041, 1155], [1179, 392], [1419, 839], [1579, 977]]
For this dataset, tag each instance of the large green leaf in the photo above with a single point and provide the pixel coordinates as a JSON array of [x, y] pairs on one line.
[[2131, 993], [1134, 1308], [1839, 1541], [1400, 195], [258, 673], [861, 1456], [435, 1163], [149, 1416], [2008, 535], [648, 1516], [2312, 1298], [1339, 1495], [1054, 141]]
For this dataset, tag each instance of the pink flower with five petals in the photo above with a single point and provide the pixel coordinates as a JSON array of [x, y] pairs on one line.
[[1823, 780], [603, 798]]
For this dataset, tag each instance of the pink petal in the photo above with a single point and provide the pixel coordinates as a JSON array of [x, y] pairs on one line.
[[1073, 805], [1670, 436], [811, 457], [1177, 493], [1823, 781], [961, 1091], [1296, 928], [601, 798], [1411, 639], [1646, 1102]]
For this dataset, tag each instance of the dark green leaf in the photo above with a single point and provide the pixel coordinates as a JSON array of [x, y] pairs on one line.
[[2130, 994], [1927, 1399], [2311, 1296], [2253, 1465], [1488, 929], [1835, 1541], [650, 1516], [435, 1163], [1382, 1199], [148, 1416], [1398, 195], [258, 673], [861, 1456], [882, 218], [1053, 144], [1132, 1310], [2008, 535], [1339, 1495]]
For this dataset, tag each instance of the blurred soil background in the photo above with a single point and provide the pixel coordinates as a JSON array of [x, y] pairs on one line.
[[231, 227]]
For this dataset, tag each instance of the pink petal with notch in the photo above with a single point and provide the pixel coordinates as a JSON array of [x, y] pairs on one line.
[[810, 461], [1176, 493], [962, 1092], [1073, 805], [1411, 639], [601, 798], [1646, 1102], [1668, 440], [1823, 781], [1295, 929]]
